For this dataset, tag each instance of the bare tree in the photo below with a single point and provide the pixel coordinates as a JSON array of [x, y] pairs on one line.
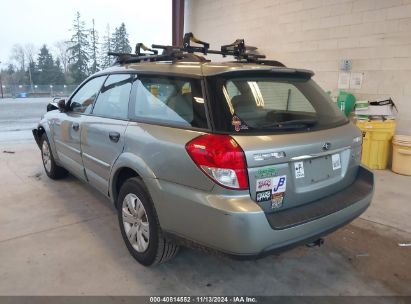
[[18, 55], [61, 53], [30, 51]]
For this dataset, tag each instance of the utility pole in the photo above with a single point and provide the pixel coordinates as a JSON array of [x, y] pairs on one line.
[[1, 83]]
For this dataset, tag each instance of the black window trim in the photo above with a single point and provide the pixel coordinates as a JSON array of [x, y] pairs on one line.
[[149, 121]]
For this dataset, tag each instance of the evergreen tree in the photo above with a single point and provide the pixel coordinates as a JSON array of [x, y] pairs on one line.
[[47, 71], [58, 73], [105, 60], [45, 64], [78, 51], [120, 40], [11, 74], [10, 69], [94, 67]]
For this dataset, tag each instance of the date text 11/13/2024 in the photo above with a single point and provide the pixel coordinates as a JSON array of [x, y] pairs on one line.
[[203, 299]]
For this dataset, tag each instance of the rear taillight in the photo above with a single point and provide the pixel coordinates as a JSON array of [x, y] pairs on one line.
[[221, 158]]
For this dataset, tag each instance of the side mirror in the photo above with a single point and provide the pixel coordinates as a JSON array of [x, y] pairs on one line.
[[61, 104]]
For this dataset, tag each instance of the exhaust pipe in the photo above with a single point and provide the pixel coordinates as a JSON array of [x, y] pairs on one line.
[[318, 243]]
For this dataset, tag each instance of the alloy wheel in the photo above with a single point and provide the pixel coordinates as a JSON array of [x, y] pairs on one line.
[[45, 151], [135, 222]]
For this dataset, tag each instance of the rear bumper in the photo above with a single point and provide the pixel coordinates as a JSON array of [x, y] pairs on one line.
[[357, 191], [237, 226]]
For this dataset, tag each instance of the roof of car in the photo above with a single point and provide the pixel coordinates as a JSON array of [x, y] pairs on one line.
[[187, 68]]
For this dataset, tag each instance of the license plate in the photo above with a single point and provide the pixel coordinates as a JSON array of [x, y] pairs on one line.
[[336, 161]]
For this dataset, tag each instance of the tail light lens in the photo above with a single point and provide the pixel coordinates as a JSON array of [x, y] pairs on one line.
[[221, 158]]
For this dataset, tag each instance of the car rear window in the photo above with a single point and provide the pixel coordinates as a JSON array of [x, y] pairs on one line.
[[271, 104]]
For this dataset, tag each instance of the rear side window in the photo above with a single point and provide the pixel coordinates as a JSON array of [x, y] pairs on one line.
[[83, 99], [169, 100], [114, 97]]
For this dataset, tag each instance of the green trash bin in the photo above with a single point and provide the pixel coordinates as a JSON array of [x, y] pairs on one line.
[[346, 102]]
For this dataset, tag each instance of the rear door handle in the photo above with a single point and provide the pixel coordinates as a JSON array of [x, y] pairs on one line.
[[75, 126], [114, 136]]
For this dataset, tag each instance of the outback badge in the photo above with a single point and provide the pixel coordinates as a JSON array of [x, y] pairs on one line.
[[269, 155]]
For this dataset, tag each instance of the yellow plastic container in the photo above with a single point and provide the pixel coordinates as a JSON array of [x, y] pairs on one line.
[[376, 147], [401, 154]]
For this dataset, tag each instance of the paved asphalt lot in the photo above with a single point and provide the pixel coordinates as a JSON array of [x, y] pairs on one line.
[[18, 117], [62, 238]]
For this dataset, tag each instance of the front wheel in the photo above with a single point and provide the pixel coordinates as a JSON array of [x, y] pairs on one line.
[[52, 169], [140, 227]]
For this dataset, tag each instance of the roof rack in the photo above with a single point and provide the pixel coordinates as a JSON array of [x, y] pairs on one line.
[[142, 46], [237, 49]]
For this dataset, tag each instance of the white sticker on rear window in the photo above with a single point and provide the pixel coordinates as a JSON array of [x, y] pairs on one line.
[[279, 184], [299, 169], [336, 162]]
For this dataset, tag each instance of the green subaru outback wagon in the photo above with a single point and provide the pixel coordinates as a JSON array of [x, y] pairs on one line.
[[243, 157]]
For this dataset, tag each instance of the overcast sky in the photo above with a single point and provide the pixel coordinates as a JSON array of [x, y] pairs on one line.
[[49, 21]]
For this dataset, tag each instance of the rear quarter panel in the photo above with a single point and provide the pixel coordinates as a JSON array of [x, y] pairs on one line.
[[161, 151]]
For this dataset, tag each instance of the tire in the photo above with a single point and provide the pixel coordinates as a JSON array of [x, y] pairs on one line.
[[138, 219], [52, 169]]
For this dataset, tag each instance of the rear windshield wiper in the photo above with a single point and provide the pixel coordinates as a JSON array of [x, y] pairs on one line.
[[289, 124]]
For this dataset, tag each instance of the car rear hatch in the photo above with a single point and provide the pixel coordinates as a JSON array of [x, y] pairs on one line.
[[299, 146]]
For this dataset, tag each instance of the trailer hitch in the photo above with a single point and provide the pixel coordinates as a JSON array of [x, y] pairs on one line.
[[318, 243]]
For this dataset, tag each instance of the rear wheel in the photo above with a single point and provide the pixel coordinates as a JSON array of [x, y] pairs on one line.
[[52, 169], [140, 227]]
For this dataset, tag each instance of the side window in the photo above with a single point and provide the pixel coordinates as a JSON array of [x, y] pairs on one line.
[[114, 96], [173, 100], [82, 101]]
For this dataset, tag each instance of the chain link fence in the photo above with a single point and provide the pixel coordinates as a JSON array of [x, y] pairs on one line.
[[23, 91]]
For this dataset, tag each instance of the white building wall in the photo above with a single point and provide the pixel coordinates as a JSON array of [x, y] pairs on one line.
[[317, 34]]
